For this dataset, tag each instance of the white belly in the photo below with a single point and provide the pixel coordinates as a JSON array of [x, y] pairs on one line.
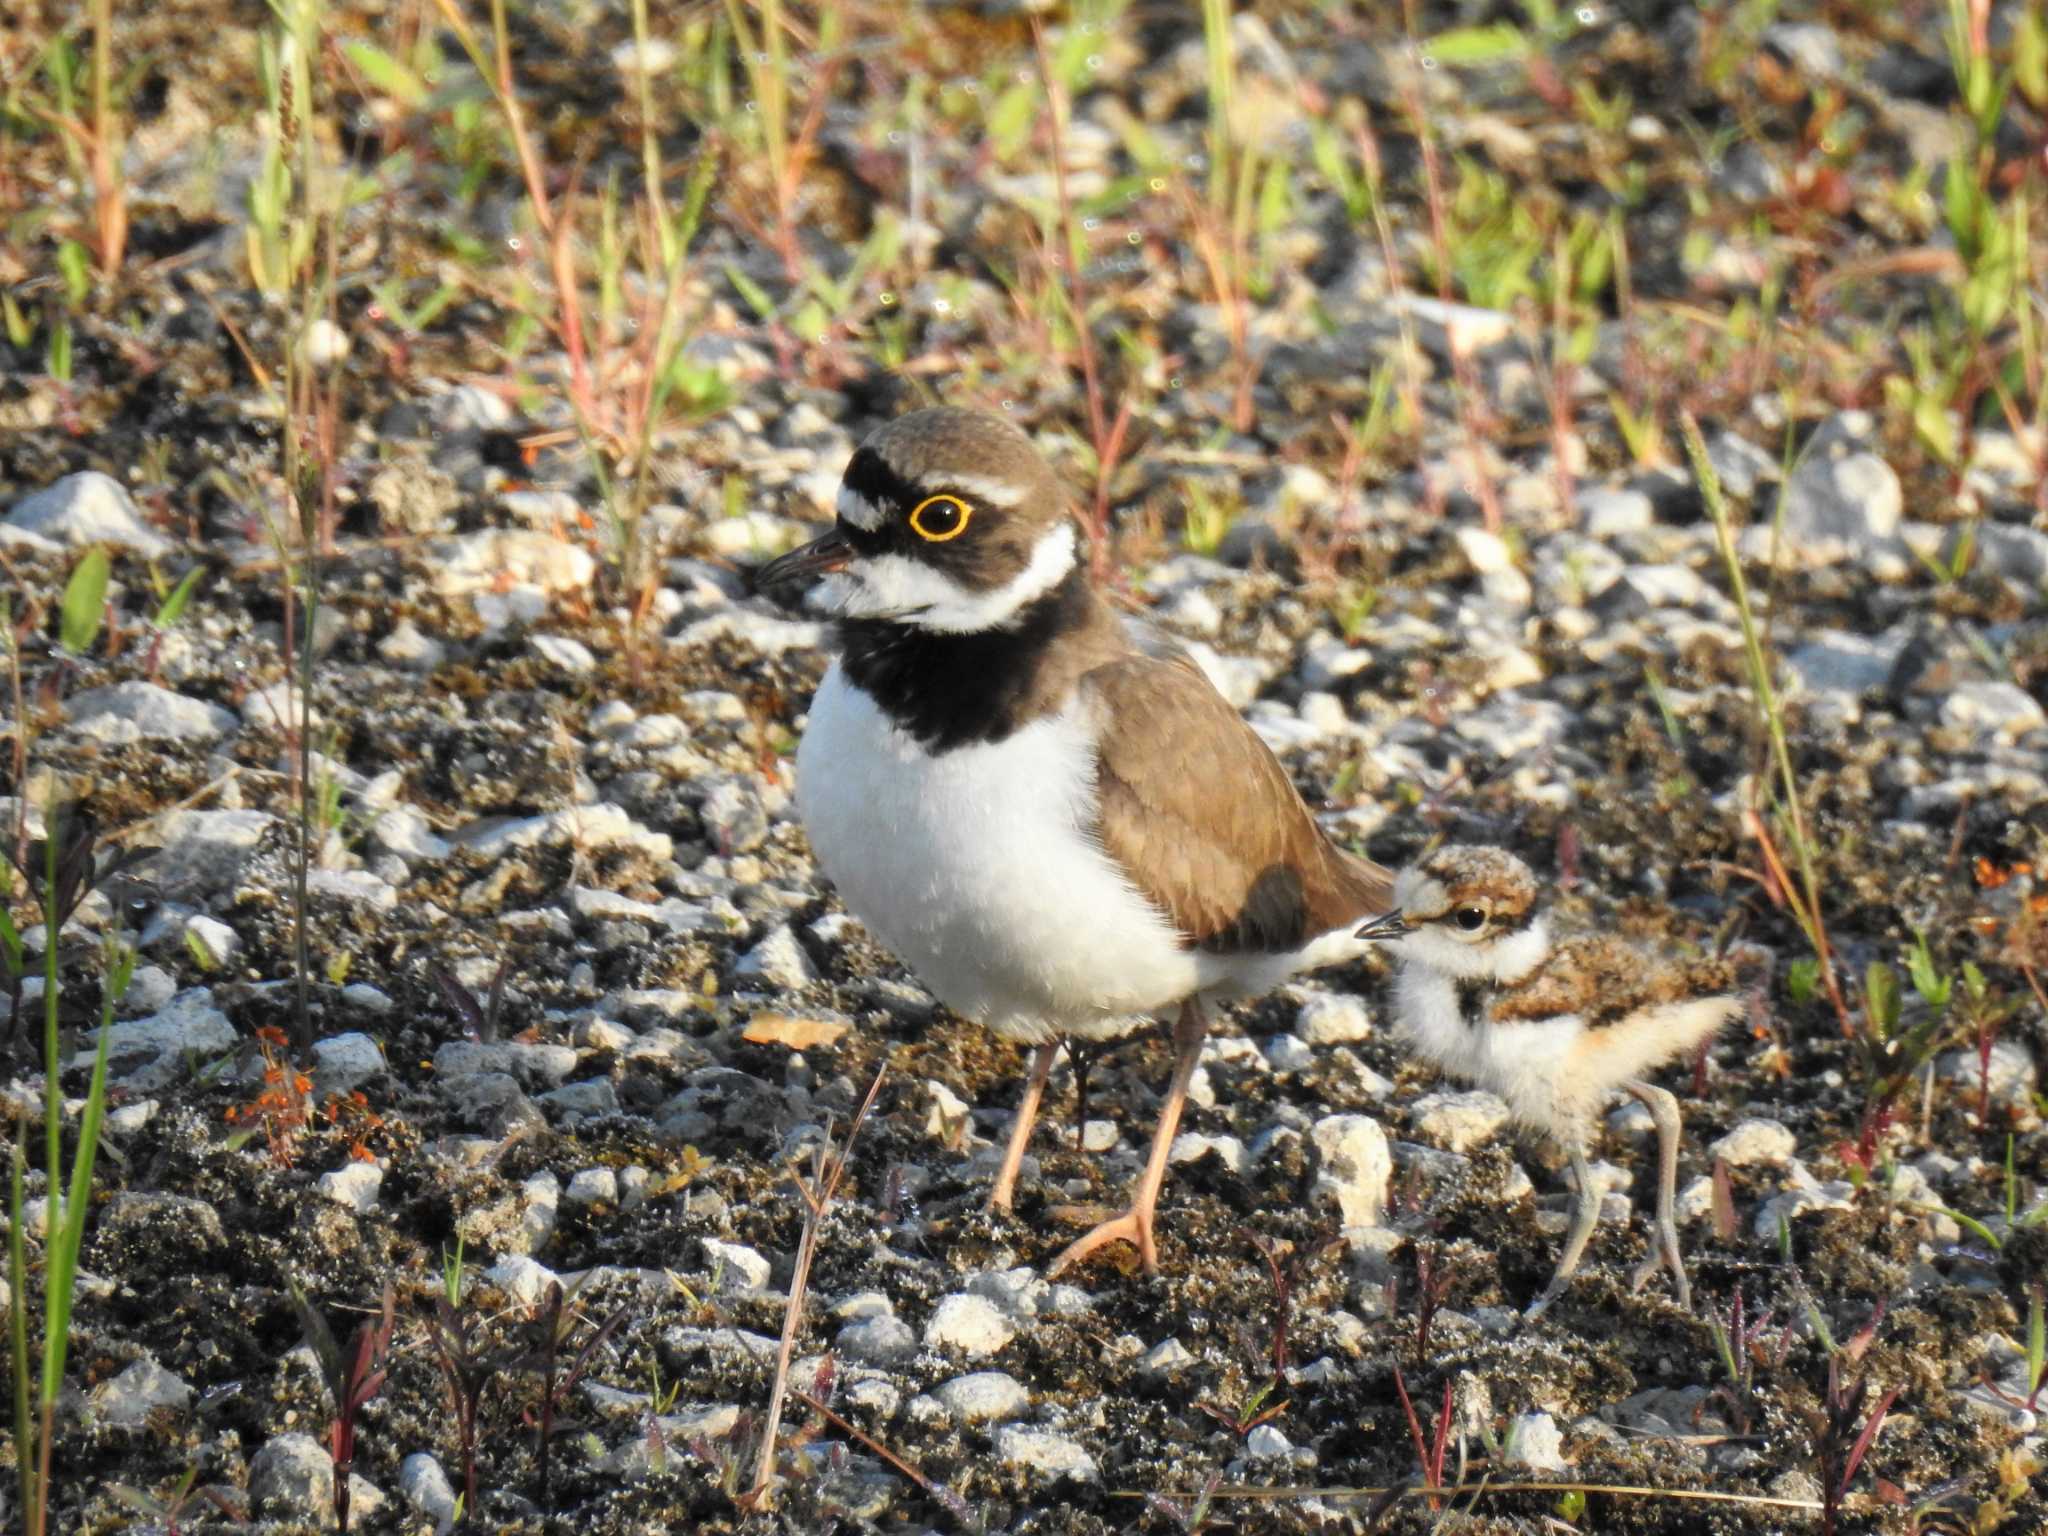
[[1527, 1064], [978, 869]]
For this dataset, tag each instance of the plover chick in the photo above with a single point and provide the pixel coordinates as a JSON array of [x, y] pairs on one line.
[[1046, 810], [1555, 1028]]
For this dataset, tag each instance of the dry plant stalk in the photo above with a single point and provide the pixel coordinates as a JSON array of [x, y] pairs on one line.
[[828, 1171]]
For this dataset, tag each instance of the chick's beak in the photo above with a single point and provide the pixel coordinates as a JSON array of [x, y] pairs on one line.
[[828, 552], [1388, 925]]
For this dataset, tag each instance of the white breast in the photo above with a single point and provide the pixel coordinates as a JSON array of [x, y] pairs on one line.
[[978, 869], [1527, 1064]]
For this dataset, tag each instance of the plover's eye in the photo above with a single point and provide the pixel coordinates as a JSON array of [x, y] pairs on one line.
[[1471, 919], [939, 518]]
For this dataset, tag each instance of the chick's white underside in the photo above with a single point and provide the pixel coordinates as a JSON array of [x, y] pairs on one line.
[[1554, 1073], [980, 869]]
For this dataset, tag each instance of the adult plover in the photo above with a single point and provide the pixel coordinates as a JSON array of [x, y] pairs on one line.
[[1045, 809], [1554, 1028]]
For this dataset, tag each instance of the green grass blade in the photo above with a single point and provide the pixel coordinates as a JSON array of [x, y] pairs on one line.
[[85, 601], [68, 1236], [17, 1279], [181, 594]]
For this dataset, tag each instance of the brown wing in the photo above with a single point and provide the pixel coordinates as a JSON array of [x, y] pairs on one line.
[[1604, 980], [1207, 823]]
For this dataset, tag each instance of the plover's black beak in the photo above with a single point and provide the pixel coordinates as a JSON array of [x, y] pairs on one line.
[[1388, 925], [828, 552]]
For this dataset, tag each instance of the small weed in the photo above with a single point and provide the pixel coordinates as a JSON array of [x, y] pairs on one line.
[[1843, 1437], [353, 1379], [1430, 1452], [554, 1332], [1743, 1348], [467, 1369], [170, 1510], [282, 1110], [828, 1172], [1191, 1518]]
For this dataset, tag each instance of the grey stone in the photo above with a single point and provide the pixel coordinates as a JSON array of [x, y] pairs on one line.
[[1755, 1141], [157, 1051], [355, 1185], [1993, 708], [1460, 1121], [1332, 1018], [593, 1096], [139, 711], [1165, 1358], [1843, 498], [1534, 1442], [1740, 465], [215, 942], [778, 960], [2013, 1075], [353, 887], [984, 1397], [205, 851], [968, 1325], [1834, 661], [879, 1340], [344, 1062], [522, 1278], [1356, 1166], [427, 1489], [143, 1388], [734, 817], [1193, 1146], [2016, 553], [1044, 1451], [1266, 1441], [479, 562], [570, 656], [88, 508], [592, 1186], [1606, 511], [740, 1270], [292, 1476]]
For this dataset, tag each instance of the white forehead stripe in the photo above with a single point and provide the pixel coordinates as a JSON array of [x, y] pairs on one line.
[[898, 587], [986, 489], [856, 509]]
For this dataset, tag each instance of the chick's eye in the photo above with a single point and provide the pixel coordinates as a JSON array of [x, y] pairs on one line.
[[1471, 919], [939, 518]]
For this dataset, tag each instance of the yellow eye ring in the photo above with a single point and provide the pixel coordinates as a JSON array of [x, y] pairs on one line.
[[941, 534]]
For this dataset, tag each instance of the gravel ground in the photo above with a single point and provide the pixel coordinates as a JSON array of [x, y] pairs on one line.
[[578, 1005]]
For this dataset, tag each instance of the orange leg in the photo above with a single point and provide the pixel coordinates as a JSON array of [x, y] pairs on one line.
[[1135, 1224], [1020, 1128]]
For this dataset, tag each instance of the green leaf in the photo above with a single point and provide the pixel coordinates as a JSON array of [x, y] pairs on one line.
[[20, 329], [174, 606], [85, 601], [1928, 981], [1011, 119], [57, 363], [68, 1235], [1477, 45], [74, 264], [387, 74], [756, 296], [1881, 998]]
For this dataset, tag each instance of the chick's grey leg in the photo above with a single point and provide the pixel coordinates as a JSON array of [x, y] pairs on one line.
[[1663, 1108], [1585, 1217]]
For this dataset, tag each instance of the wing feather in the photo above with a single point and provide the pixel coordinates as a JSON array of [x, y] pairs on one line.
[[1207, 823]]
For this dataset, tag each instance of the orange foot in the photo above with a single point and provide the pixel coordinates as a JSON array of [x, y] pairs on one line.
[[1133, 1226]]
